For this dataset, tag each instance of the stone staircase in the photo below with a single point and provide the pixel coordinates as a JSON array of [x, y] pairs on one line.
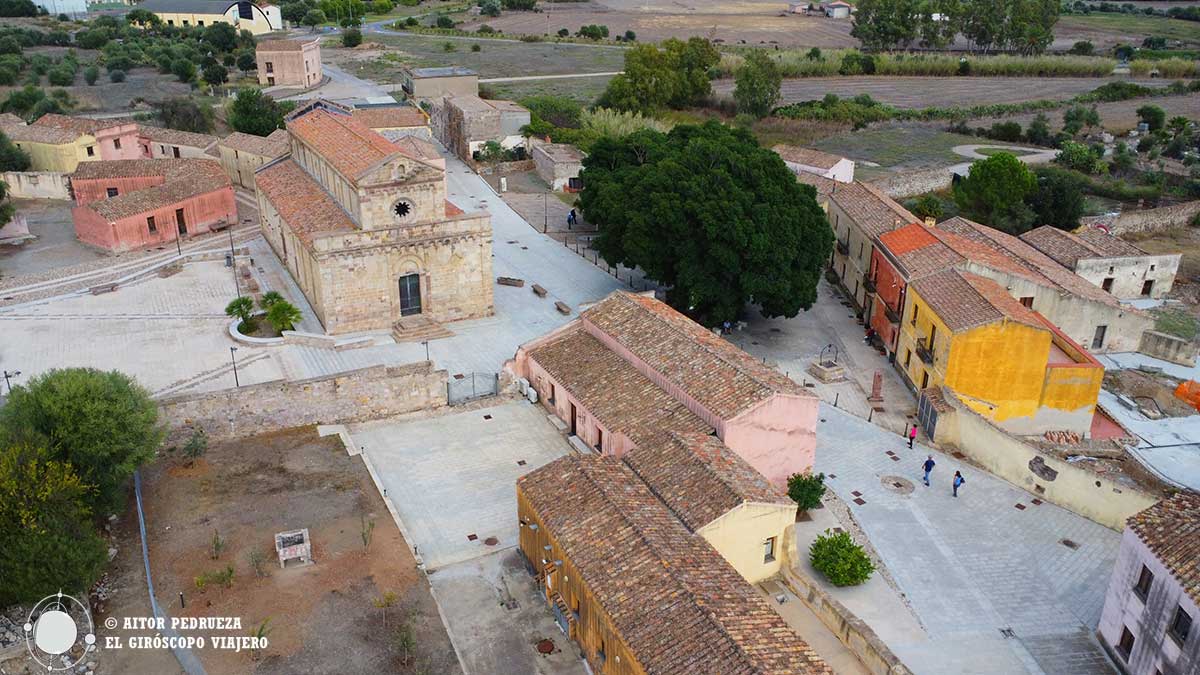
[[419, 329]]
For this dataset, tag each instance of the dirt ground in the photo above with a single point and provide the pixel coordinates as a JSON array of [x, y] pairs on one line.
[[321, 617], [1143, 386], [1117, 117], [920, 92], [729, 22]]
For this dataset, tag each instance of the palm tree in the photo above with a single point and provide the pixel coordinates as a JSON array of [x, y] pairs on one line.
[[283, 315], [243, 308], [269, 298]]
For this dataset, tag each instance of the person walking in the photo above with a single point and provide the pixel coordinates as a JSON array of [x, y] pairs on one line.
[[958, 481], [912, 436], [928, 466]]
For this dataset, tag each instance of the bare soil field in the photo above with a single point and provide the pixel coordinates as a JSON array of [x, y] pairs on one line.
[[920, 92], [322, 618], [1108, 30], [105, 96], [496, 58], [729, 22], [1117, 117]]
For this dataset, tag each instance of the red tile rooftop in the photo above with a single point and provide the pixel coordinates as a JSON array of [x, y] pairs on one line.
[[301, 202], [348, 146]]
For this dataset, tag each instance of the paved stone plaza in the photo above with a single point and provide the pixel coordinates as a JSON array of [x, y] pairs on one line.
[[455, 475], [974, 566]]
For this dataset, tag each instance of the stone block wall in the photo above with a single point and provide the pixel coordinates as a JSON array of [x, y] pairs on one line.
[[1147, 220], [1168, 348], [913, 183], [354, 396]]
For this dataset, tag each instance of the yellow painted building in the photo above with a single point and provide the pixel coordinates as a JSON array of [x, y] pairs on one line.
[[999, 357], [254, 17], [52, 149]]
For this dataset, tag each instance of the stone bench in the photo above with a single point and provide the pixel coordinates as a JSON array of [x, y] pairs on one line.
[[103, 288], [539, 291], [562, 307], [509, 281]]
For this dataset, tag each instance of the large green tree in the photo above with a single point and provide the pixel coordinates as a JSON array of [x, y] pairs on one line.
[[102, 423], [706, 211], [757, 83], [885, 24], [253, 112], [1058, 199], [674, 76], [12, 158], [994, 193], [48, 541]]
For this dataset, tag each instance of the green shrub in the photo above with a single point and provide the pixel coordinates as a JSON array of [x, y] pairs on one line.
[[928, 206], [116, 75], [351, 38], [8, 76], [806, 489], [91, 74], [843, 562], [444, 21], [476, 48], [62, 76]]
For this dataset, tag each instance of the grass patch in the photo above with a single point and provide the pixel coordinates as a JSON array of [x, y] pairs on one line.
[[584, 90], [893, 147], [988, 152], [1177, 322]]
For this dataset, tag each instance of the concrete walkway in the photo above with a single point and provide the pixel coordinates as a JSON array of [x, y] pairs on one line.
[[988, 574]]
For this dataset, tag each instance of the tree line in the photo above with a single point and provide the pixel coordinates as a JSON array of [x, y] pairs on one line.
[[1024, 26]]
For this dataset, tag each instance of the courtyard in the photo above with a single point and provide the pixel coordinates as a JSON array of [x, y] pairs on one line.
[[452, 477]]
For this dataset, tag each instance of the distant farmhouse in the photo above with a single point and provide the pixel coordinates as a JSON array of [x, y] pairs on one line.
[[244, 15]]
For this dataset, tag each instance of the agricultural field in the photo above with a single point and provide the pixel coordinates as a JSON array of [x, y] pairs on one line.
[[495, 58], [1117, 117], [728, 22], [585, 90], [919, 92], [885, 149], [1107, 30]]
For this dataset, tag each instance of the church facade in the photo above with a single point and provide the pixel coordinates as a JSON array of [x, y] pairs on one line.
[[366, 231]]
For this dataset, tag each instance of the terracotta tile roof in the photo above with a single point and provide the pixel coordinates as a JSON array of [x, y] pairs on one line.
[[807, 156], [964, 301], [9, 120], [669, 596], [182, 179], [40, 134], [348, 146], [624, 400], [908, 238], [390, 117], [452, 210], [928, 260], [1038, 265], [417, 147], [78, 125], [700, 479], [724, 379], [302, 203], [177, 137], [276, 145], [282, 45], [1171, 530], [823, 185], [871, 209], [1108, 246]]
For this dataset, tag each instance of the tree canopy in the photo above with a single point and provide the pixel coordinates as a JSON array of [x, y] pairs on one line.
[[253, 112], [708, 212], [1020, 25], [102, 423], [674, 76], [994, 193], [757, 81]]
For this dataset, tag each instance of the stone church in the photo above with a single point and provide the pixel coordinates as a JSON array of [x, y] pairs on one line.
[[366, 231]]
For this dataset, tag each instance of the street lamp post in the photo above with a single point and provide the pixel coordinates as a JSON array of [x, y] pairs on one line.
[[7, 375], [233, 263], [233, 357]]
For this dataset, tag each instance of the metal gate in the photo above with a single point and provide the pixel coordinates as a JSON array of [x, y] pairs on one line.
[[927, 415], [462, 388]]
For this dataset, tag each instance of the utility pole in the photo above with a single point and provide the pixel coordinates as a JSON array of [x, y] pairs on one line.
[[233, 263]]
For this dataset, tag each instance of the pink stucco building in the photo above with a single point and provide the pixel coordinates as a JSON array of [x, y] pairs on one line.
[[128, 204], [115, 139], [1152, 610], [293, 63], [630, 371]]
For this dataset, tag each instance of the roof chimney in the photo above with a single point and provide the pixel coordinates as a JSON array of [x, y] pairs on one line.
[[930, 221]]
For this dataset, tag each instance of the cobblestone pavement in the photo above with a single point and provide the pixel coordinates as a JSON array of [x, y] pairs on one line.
[[990, 561]]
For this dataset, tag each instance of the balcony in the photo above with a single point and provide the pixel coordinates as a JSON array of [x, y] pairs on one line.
[[843, 247], [924, 351], [868, 283], [891, 314]]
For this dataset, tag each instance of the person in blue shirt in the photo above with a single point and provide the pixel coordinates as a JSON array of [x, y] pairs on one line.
[[958, 481], [928, 465]]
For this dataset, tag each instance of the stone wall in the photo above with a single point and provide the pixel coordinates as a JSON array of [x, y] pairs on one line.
[[1102, 499], [1147, 220], [850, 630], [38, 184], [1168, 348], [913, 183], [354, 396]]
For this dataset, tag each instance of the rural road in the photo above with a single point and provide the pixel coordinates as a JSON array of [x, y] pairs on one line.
[[971, 151]]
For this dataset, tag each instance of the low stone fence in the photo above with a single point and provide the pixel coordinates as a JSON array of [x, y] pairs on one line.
[[504, 168], [1168, 348], [913, 183], [850, 630], [37, 184], [1091, 495], [354, 396], [1147, 220]]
